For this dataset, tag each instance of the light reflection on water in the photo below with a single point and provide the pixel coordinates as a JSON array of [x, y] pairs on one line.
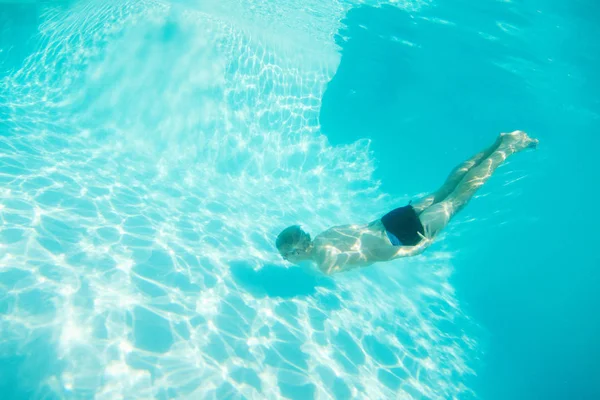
[[150, 157]]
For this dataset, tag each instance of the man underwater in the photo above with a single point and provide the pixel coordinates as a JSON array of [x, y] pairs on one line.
[[405, 231]]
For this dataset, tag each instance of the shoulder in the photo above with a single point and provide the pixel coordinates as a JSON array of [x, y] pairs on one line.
[[325, 257], [322, 249]]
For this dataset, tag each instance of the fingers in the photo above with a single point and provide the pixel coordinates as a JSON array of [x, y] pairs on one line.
[[424, 240]]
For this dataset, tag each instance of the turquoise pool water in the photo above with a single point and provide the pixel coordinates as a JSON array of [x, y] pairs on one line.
[[151, 151]]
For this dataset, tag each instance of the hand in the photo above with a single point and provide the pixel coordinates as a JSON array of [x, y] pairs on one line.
[[426, 237]]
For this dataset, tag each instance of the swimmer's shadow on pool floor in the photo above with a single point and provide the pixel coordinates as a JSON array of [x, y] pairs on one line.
[[278, 281]]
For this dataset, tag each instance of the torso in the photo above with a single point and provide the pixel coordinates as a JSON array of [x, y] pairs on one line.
[[349, 238]]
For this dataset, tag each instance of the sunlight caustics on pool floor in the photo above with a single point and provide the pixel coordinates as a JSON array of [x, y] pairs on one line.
[[150, 154]]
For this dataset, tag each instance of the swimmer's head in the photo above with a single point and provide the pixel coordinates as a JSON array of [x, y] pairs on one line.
[[294, 244]]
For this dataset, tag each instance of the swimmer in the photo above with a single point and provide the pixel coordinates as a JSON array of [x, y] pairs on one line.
[[405, 231]]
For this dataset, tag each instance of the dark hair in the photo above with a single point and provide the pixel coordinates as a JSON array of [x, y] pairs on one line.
[[291, 237]]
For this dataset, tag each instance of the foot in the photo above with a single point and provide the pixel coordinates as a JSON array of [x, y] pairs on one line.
[[519, 140]]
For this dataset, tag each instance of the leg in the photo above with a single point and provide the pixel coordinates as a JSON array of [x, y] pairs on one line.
[[436, 217], [455, 177]]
